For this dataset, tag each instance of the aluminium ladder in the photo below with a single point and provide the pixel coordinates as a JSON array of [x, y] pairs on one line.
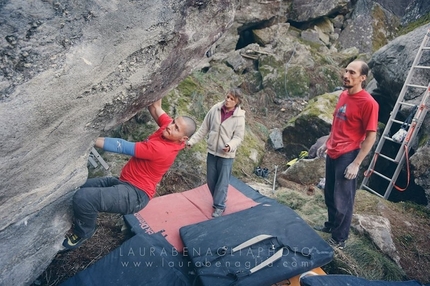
[[94, 157], [412, 127]]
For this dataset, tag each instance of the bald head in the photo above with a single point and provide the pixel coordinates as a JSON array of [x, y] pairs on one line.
[[190, 126]]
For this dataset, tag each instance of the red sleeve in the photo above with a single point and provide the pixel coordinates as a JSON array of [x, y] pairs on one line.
[[148, 149], [164, 120], [145, 150]]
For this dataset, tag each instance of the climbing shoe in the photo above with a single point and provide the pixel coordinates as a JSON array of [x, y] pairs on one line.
[[74, 241], [258, 171], [265, 173], [323, 229], [217, 212], [336, 244]]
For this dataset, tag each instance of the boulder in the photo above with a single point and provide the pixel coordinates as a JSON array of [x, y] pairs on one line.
[[369, 27], [338, 22], [414, 10], [70, 70], [270, 34], [238, 63], [275, 137], [323, 36], [313, 122], [401, 7], [420, 163], [306, 10], [273, 74], [305, 171], [378, 229], [250, 15], [312, 36], [390, 66]]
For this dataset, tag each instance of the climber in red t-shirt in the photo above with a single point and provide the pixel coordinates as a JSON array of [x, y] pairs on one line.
[[150, 160], [353, 133]]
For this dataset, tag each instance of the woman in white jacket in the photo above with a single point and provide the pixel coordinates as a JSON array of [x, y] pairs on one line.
[[224, 126]]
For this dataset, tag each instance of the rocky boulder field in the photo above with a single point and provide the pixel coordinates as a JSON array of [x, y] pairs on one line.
[[70, 72]]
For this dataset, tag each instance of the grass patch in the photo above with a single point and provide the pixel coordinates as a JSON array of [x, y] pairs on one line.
[[311, 208], [415, 209], [292, 199], [370, 263], [366, 203], [362, 259]]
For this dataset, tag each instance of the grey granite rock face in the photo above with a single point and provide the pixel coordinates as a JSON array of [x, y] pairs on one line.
[[305, 10], [415, 10], [421, 169], [390, 66], [69, 70], [378, 229]]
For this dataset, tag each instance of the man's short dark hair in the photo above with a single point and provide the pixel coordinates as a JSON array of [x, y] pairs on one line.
[[364, 69]]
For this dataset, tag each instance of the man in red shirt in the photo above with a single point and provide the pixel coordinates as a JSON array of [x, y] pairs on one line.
[[353, 133], [136, 185]]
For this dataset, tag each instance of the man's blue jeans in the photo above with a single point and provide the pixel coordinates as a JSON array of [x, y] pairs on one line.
[[107, 194], [339, 194], [218, 178]]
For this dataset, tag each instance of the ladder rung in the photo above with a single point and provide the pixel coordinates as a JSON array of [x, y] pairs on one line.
[[380, 175], [398, 121], [388, 158], [92, 161], [422, 67], [373, 191], [99, 158], [426, 48], [418, 86], [389, 138], [407, 103]]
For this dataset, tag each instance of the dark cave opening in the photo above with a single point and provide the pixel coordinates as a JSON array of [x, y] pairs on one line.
[[406, 189], [246, 35]]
